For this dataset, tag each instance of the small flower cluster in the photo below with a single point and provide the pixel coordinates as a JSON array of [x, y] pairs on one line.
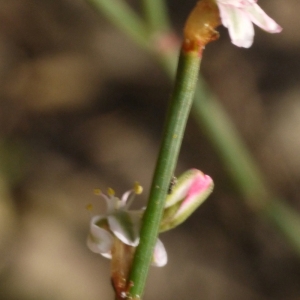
[[191, 189]]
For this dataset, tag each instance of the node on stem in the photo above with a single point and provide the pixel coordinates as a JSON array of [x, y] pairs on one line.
[[200, 26]]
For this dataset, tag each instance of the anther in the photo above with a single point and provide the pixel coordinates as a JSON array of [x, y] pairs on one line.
[[97, 192], [138, 189], [110, 192]]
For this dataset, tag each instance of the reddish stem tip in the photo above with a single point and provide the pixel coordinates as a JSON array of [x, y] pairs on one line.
[[200, 26]]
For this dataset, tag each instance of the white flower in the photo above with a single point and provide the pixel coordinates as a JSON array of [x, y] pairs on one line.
[[121, 223], [238, 16]]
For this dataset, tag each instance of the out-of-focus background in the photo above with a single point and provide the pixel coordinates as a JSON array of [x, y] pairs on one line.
[[82, 107]]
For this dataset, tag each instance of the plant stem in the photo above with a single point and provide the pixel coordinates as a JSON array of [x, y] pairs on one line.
[[286, 220], [156, 15], [179, 108], [119, 13], [212, 117], [229, 146]]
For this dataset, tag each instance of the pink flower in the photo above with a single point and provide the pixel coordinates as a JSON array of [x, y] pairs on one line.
[[239, 15], [191, 190]]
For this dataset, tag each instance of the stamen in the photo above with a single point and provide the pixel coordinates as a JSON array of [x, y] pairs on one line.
[[89, 207], [110, 192], [97, 192], [138, 189], [110, 204]]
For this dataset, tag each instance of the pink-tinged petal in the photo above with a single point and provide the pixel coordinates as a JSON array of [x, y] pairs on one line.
[[239, 25], [228, 3], [197, 191], [99, 239], [182, 187], [126, 226], [236, 3], [239, 15], [160, 257], [225, 17], [262, 20]]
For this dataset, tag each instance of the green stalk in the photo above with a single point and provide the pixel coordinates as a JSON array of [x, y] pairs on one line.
[[121, 14], [229, 146], [156, 15], [179, 108], [209, 113], [286, 220]]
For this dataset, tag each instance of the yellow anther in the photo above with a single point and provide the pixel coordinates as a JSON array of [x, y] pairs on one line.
[[89, 207], [138, 189], [97, 192], [110, 192]]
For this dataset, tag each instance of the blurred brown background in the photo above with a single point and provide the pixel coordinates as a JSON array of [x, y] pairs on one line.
[[82, 107]]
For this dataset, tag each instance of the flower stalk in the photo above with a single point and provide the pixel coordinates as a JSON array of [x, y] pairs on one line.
[[156, 16], [177, 116], [210, 114], [115, 234], [179, 109]]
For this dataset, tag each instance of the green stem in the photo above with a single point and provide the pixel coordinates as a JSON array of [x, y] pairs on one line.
[[121, 14], [179, 108], [286, 220], [229, 146], [210, 114], [156, 15]]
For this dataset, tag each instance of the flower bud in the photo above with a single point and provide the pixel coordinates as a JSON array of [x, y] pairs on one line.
[[192, 188]]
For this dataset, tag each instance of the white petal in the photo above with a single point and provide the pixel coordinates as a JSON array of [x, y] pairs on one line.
[[125, 198], [261, 19], [239, 25], [160, 257], [236, 3], [126, 226], [106, 255], [99, 239], [110, 202], [224, 15]]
